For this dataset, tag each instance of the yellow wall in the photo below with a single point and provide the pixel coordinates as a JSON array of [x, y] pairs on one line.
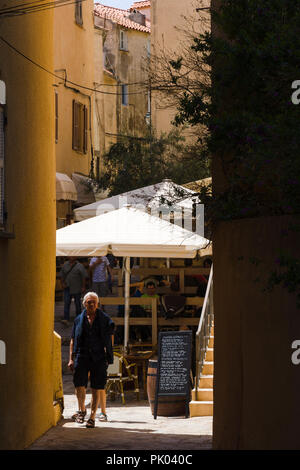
[[27, 262], [74, 56]]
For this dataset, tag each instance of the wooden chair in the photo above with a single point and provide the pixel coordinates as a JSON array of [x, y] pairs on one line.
[[119, 373]]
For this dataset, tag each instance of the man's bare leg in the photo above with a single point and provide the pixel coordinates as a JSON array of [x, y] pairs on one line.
[[103, 401], [80, 393], [95, 402]]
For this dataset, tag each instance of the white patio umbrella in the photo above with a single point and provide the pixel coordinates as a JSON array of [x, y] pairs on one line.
[[154, 197], [128, 232]]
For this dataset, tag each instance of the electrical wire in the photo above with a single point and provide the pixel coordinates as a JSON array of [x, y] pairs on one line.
[[34, 7], [65, 79], [38, 6]]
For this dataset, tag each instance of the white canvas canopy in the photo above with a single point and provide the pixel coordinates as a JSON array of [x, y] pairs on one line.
[[150, 197], [128, 232]]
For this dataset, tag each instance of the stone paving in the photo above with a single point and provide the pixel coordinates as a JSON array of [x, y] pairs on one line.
[[129, 427]]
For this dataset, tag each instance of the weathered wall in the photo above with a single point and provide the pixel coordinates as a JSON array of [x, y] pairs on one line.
[[120, 67], [256, 386], [27, 263]]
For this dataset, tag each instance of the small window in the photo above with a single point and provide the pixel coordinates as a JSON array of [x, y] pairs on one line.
[[123, 41], [56, 117], [78, 12], [125, 95], [80, 127], [148, 47]]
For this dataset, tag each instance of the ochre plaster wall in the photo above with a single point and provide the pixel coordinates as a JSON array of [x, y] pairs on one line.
[[27, 262], [256, 386], [74, 59]]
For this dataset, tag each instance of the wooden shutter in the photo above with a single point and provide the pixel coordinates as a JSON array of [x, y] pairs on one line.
[[78, 12], [56, 117], [123, 41], [85, 130], [76, 126]]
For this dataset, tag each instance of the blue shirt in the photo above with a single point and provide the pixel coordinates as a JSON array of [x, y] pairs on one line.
[[99, 273]]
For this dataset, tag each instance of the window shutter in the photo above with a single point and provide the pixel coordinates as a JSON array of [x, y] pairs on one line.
[[1, 165], [78, 12], [85, 129], [56, 117], [76, 136], [123, 41], [125, 95]]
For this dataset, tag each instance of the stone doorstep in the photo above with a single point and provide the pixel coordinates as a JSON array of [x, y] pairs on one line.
[[209, 355], [206, 381], [208, 368], [204, 394], [201, 408]]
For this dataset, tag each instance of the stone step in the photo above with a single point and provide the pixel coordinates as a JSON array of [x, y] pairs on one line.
[[209, 355], [208, 368], [206, 381], [201, 408], [203, 394]]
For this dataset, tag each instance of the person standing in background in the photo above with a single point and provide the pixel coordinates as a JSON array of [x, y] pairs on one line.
[[73, 278], [99, 268]]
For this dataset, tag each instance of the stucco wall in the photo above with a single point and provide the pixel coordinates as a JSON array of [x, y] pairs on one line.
[[27, 266], [168, 24], [256, 386], [73, 56]]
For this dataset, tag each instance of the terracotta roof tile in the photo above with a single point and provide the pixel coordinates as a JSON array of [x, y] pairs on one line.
[[120, 17], [137, 5]]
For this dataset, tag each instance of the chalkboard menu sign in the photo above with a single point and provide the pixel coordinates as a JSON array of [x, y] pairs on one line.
[[173, 366]]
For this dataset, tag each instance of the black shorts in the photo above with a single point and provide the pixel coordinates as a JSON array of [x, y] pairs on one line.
[[97, 370]]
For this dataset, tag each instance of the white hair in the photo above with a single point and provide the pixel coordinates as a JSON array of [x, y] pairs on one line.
[[89, 294]]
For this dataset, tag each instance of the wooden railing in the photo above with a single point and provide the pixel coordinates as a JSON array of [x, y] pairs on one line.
[[204, 329], [154, 320], [181, 272]]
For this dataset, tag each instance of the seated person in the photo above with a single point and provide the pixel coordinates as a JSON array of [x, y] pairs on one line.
[[150, 292], [143, 333]]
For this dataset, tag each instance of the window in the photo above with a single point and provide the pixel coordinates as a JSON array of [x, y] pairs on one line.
[[2, 124], [125, 95], [148, 48], [123, 41], [56, 117], [80, 127], [78, 12]]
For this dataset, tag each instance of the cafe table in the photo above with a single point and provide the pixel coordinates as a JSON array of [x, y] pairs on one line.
[[140, 358]]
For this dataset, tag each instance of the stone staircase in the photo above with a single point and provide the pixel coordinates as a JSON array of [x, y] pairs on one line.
[[203, 406]]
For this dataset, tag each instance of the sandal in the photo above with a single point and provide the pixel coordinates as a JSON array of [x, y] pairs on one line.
[[79, 416], [90, 423]]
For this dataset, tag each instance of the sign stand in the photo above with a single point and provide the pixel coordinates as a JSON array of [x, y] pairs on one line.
[[173, 366]]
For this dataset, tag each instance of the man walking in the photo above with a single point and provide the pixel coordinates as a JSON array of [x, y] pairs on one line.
[[90, 353], [99, 266], [73, 277]]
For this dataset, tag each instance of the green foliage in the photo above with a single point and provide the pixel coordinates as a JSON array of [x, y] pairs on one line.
[[247, 108], [287, 274], [135, 163], [253, 125]]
